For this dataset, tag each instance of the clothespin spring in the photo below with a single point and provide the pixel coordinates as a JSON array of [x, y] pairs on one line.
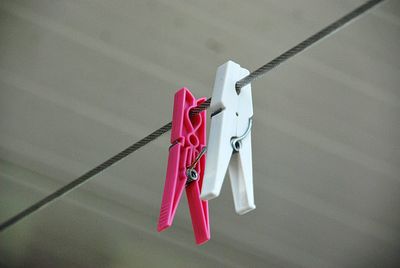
[[236, 142], [191, 173]]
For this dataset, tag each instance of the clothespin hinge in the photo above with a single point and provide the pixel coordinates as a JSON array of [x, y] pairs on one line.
[[236, 142], [191, 172]]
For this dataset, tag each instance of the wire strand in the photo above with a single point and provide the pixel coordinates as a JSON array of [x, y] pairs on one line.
[[157, 133], [85, 177], [306, 44]]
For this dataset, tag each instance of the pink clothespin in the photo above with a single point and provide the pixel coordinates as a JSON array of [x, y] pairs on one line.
[[186, 163]]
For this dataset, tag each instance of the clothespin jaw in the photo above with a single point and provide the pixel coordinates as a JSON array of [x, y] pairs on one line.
[[230, 139], [186, 160]]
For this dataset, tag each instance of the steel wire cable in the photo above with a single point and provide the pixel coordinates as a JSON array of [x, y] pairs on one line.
[[306, 43], [157, 133]]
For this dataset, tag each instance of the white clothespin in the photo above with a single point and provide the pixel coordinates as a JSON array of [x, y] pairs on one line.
[[230, 139]]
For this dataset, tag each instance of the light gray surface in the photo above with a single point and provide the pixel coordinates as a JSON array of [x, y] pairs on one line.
[[81, 80]]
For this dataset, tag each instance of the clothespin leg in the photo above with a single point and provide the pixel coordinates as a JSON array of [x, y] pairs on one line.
[[241, 176], [173, 189], [199, 213], [218, 155]]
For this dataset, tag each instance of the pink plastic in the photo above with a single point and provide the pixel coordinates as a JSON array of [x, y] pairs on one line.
[[188, 137]]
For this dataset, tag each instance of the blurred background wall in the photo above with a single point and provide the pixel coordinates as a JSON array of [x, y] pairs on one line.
[[82, 80]]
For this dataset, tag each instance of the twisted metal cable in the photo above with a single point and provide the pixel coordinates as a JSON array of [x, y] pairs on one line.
[[306, 43], [157, 133], [203, 106], [85, 177]]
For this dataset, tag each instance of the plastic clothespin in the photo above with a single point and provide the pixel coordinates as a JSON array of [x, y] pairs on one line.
[[186, 162], [230, 139]]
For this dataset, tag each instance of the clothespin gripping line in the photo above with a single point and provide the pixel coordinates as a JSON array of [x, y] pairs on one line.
[[191, 173]]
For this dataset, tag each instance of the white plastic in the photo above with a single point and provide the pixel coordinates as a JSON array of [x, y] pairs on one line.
[[232, 121]]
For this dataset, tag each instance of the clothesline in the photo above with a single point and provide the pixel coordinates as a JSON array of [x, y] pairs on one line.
[[331, 28]]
